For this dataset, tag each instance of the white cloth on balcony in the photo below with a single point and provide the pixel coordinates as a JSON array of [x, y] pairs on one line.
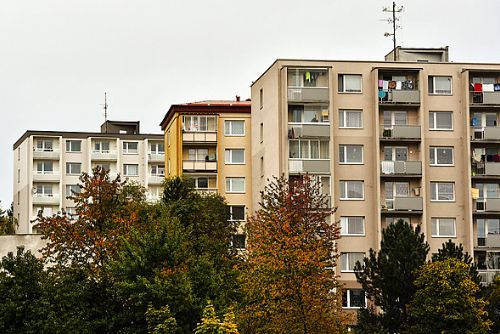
[[488, 88], [387, 167]]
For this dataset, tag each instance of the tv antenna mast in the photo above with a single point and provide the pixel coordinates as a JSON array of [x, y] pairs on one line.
[[105, 112], [392, 21]]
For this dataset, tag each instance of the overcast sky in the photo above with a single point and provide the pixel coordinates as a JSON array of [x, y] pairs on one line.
[[58, 57]]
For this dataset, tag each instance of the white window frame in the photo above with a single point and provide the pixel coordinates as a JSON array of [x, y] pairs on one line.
[[345, 259], [343, 78], [69, 168], [348, 300], [154, 148], [157, 170], [433, 92], [229, 156], [230, 208], [344, 148], [438, 228], [343, 118], [100, 144], [126, 171], [345, 185], [45, 145], [44, 169], [128, 150], [228, 128], [301, 156], [197, 127], [69, 146], [70, 188], [434, 162], [434, 125], [44, 192], [435, 187], [230, 185], [197, 182], [344, 226]]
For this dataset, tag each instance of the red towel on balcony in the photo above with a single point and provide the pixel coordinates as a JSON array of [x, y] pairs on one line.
[[478, 87]]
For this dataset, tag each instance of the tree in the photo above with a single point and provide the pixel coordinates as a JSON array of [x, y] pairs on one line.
[[160, 321], [211, 324], [450, 250], [388, 276], [492, 296], [8, 222], [445, 300], [288, 279]]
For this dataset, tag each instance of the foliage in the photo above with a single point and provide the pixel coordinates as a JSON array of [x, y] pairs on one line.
[[211, 324], [288, 279], [8, 222], [160, 321], [445, 300], [492, 296], [450, 250], [388, 276]]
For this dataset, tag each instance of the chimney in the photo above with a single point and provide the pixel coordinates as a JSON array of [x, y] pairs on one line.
[[237, 98]]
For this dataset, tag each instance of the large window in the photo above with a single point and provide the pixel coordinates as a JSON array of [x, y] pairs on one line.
[[353, 298], [44, 190], [73, 168], [236, 212], [308, 113], [351, 154], [440, 120], [443, 227], [44, 145], [308, 149], [199, 154], [234, 128], [352, 225], [442, 191], [131, 170], [235, 184], [351, 190], [200, 123], [44, 167], [235, 156], [73, 145], [348, 260], [130, 147], [440, 85], [158, 170], [441, 156], [72, 189], [485, 227], [392, 117], [201, 182], [101, 146], [238, 241], [350, 83], [157, 148], [352, 119]]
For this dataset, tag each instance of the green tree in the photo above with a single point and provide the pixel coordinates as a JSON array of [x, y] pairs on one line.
[[211, 324], [492, 296], [388, 276], [8, 222], [288, 279], [445, 300], [450, 250], [160, 321]]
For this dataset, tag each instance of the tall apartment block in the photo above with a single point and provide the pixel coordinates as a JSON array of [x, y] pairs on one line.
[[209, 141], [47, 165], [417, 140]]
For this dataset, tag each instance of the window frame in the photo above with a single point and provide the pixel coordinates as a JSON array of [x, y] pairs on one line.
[[231, 209], [344, 148], [344, 226], [229, 156], [343, 117], [434, 126], [438, 228], [346, 255], [348, 299], [126, 171], [228, 131], [434, 162], [433, 78], [435, 190], [157, 168], [301, 157], [70, 188], [344, 184], [127, 150], [69, 169], [69, 146], [343, 78], [229, 185]]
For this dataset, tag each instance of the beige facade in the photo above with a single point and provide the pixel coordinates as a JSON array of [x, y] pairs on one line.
[[393, 140], [47, 165]]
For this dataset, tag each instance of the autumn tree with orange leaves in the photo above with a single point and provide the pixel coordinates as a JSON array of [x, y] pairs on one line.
[[288, 280]]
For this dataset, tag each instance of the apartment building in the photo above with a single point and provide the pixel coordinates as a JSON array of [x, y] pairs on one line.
[[209, 141], [415, 140], [47, 165]]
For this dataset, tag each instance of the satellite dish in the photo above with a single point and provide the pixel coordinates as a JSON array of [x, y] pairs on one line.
[[33, 190]]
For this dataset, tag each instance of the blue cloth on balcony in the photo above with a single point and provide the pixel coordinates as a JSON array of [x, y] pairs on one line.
[[496, 87]]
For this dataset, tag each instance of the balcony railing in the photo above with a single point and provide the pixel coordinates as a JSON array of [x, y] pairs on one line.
[[488, 275], [486, 133], [156, 179], [400, 132], [46, 176], [487, 168], [398, 168], [203, 165], [309, 166], [311, 130], [104, 155], [46, 154], [206, 190], [46, 199], [404, 204], [156, 157], [488, 205], [199, 137], [491, 240], [399, 97], [485, 98], [308, 94]]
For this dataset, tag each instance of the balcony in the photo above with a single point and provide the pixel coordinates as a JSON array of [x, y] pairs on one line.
[[487, 276], [43, 199], [46, 176], [156, 179], [46, 154], [104, 155], [314, 130], [205, 191], [199, 165], [404, 204], [199, 137], [485, 168], [485, 98], [488, 205], [401, 168], [488, 133], [399, 97], [156, 157], [308, 94], [309, 166], [400, 132]]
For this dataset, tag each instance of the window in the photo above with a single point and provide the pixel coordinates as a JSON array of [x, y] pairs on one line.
[[236, 212], [199, 123], [353, 298], [238, 241], [392, 220], [200, 154], [442, 191], [308, 149], [44, 145], [101, 146], [351, 190], [440, 120], [350, 83], [18, 153], [394, 153], [44, 190], [157, 148], [395, 190], [73, 168], [235, 156], [235, 184], [44, 167], [234, 128], [261, 133], [261, 166], [351, 154], [73, 145], [104, 166], [158, 170], [201, 183], [441, 156], [71, 211], [487, 227], [72, 189], [443, 227], [131, 170], [261, 98], [440, 85], [130, 147], [395, 118], [18, 175], [352, 225], [352, 119], [348, 260], [308, 113]]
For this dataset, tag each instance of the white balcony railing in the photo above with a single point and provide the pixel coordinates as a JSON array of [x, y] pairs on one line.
[[47, 199], [39, 153], [156, 179], [104, 155], [46, 176], [156, 157]]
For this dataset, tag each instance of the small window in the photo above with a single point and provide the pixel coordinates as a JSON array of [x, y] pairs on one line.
[[72, 189], [392, 220], [261, 133], [351, 119], [350, 83], [238, 241], [73, 168], [44, 167], [348, 260], [44, 145], [351, 190], [234, 128], [200, 123], [236, 212], [158, 170], [18, 153], [101, 146], [351, 154], [131, 170], [104, 166], [352, 226], [235, 184], [443, 227], [73, 145], [442, 191], [157, 148], [261, 98], [235, 156], [261, 166], [44, 190], [130, 147], [441, 156], [18, 176], [353, 298], [440, 120], [440, 85]]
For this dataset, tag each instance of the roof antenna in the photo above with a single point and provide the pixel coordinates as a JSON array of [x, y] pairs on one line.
[[393, 20], [105, 113]]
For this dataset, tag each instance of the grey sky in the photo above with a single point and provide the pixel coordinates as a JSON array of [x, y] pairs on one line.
[[58, 57]]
